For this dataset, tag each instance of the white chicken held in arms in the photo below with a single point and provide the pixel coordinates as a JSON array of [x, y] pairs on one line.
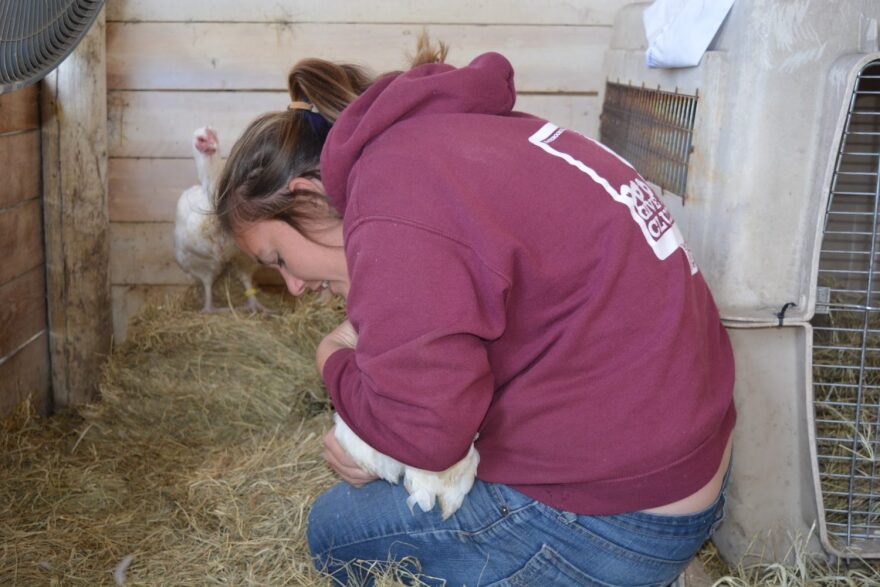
[[448, 487], [201, 246], [425, 488]]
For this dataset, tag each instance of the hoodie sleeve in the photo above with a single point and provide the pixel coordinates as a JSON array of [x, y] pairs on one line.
[[419, 383]]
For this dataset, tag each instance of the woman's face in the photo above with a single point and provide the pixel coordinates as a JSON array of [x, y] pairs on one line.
[[304, 263]]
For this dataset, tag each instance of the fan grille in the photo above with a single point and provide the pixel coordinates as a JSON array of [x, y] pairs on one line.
[[36, 35]]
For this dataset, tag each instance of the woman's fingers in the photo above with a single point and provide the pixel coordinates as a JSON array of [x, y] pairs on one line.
[[343, 464], [346, 335]]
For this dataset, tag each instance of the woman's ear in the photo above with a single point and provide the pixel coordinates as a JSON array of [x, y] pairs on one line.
[[311, 193], [303, 183]]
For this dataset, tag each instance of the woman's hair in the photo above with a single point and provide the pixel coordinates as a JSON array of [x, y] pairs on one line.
[[280, 146]]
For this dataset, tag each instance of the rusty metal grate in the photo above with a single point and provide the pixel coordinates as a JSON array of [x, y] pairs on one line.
[[846, 331], [652, 129]]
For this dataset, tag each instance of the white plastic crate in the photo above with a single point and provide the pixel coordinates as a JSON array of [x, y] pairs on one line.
[[745, 149]]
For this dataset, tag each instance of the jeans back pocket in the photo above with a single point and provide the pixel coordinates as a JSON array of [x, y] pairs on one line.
[[547, 568]]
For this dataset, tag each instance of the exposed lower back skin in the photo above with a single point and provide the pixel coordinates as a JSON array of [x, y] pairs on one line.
[[703, 497]]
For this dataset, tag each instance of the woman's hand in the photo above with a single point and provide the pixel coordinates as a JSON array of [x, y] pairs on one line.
[[342, 463], [342, 337]]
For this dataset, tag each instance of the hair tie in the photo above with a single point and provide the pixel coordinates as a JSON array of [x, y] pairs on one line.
[[320, 125], [297, 105]]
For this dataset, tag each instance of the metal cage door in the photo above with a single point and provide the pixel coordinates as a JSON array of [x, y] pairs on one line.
[[846, 332]]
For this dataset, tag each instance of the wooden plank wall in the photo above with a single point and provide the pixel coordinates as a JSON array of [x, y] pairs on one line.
[[173, 66], [24, 356]]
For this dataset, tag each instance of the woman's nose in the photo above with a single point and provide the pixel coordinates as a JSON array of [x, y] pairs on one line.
[[294, 285]]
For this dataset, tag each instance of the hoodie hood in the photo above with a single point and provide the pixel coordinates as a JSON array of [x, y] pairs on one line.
[[485, 86]]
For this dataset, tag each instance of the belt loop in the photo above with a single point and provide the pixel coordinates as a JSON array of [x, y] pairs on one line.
[[568, 517]]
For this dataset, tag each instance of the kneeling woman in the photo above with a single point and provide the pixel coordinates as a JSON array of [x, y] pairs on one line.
[[506, 280]]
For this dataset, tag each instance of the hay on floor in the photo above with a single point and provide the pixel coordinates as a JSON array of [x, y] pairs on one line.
[[760, 568], [199, 464]]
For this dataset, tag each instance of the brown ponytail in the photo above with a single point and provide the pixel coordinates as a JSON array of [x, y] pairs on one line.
[[280, 146], [426, 52], [330, 87]]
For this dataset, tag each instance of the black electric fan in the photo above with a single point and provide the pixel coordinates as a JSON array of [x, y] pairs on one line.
[[36, 35]]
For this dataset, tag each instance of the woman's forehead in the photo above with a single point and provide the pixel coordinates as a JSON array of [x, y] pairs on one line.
[[256, 237]]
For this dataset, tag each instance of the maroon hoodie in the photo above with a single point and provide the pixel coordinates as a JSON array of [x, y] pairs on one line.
[[520, 282]]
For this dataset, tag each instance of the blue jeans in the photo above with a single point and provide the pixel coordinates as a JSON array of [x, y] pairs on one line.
[[501, 537]]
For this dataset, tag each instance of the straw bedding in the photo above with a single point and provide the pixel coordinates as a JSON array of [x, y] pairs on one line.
[[199, 464], [197, 467]]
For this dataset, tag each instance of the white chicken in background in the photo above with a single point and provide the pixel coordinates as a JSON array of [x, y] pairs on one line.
[[449, 487], [201, 247]]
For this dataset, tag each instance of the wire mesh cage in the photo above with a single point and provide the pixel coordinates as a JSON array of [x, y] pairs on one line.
[[652, 129], [846, 331]]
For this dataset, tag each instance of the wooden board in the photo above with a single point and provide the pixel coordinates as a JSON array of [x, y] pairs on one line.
[[74, 146], [147, 190], [160, 124], [143, 253], [26, 373], [21, 240], [20, 162], [582, 12], [22, 309], [257, 56], [20, 110]]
